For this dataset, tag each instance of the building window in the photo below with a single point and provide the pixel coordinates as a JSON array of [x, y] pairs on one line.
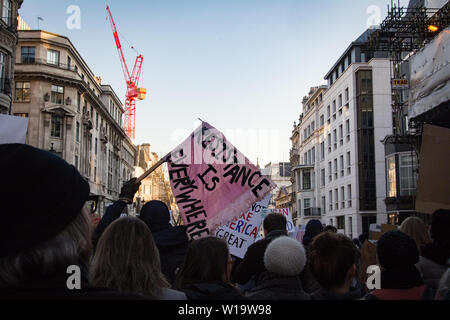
[[347, 128], [335, 139], [350, 225], [331, 200], [329, 142], [342, 198], [328, 112], [313, 155], [306, 180], [334, 106], [57, 94], [336, 203], [340, 101], [322, 120], [23, 92], [408, 175], [335, 169], [322, 178], [96, 144], [324, 205], [330, 172], [341, 135], [28, 55], [21, 115], [3, 70], [366, 141], [322, 151], [347, 97], [7, 13], [77, 133], [391, 178], [340, 221], [349, 165], [342, 166], [56, 128], [307, 207], [53, 57], [78, 101], [349, 195]]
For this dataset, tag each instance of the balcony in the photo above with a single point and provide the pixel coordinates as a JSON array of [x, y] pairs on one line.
[[312, 212], [30, 60]]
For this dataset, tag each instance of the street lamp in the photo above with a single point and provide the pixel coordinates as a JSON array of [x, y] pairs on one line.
[[52, 150]]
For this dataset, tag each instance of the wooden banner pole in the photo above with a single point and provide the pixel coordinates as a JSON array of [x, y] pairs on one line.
[[153, 168]]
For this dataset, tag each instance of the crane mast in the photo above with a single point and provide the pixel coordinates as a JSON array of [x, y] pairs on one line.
[[132, 81]]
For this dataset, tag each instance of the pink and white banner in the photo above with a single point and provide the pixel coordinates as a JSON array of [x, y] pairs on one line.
[[212, 182]]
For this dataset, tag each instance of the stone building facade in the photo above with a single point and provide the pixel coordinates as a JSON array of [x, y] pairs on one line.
[[338, 164], [156, 186], [8, 40], [71, 113]]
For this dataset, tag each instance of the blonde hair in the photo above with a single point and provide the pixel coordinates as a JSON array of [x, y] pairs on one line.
[[417, 230], [127, 260]]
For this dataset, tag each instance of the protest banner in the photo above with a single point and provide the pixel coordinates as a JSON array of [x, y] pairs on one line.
[[13, 129], [290, 227], [212, 182], [242, 233]]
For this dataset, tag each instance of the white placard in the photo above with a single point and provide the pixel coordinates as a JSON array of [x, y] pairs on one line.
[[13, 129]]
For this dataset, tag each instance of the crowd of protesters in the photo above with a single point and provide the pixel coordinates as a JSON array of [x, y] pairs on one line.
[[146, 258]]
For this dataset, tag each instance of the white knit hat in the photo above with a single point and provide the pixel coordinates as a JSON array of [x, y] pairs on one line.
[[285, 256]]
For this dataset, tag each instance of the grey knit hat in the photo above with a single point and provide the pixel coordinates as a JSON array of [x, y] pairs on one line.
[[285, 256]]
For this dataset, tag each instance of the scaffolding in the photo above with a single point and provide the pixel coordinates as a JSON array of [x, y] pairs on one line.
[[402, 33]]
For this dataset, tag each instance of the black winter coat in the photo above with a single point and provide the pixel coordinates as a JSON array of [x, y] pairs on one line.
[[212, 291], [172, 244], [277, 287], [252, 266]]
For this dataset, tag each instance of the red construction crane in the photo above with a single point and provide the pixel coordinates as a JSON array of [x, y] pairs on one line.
[[132, 81]]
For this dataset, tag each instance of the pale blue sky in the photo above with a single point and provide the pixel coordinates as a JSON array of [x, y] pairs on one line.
[[237, 64]]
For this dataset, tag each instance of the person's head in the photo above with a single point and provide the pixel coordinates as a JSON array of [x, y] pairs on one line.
[[330, 229], [49, 230], [156, 215], [417, 230], [332, 260], [363, 237], [274, 221], [285, 256], [207, 260], [396, 250], [127, 259], [312, 229], [440, 226]]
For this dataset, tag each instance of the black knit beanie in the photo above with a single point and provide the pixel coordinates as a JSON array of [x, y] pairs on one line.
[[156, 215], [397, 250], [312, 229], [41, 194]]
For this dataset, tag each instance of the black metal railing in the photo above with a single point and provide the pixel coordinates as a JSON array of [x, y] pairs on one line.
[[64, 66], [312, 212]]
